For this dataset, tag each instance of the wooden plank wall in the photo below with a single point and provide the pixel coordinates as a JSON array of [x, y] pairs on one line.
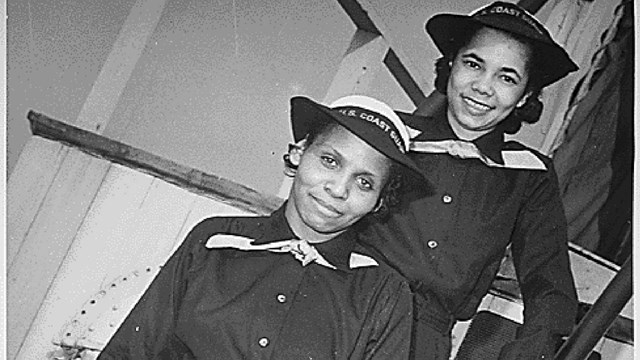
[[44, 230], [52, 186], [41, 229], [133, 222]]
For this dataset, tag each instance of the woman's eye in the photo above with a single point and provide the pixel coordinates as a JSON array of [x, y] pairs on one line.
[[328, 161], [471, 64], [509, 80], [365, 184]]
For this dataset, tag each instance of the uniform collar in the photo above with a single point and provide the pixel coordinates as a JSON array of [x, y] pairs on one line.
[[491, 144], [336, 251], [437, 127]]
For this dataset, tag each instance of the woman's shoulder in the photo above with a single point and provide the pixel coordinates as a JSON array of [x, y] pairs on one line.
[[514, 145], [527, 154], [248, 226], [235, 225], [377, 273], [194, 247]]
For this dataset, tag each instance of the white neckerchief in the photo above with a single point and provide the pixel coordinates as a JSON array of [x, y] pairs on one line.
[[300, 249], [513, 159]]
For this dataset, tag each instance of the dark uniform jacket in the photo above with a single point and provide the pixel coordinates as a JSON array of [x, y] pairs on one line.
[[233, 304], [449, 244]]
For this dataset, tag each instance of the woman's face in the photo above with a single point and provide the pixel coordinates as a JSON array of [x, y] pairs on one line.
[[488, 80], [338, 181]]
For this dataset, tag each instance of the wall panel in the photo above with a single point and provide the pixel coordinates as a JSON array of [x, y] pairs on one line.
[[135, 223]]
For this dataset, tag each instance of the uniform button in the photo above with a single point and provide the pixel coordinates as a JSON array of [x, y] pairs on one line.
[[263, 342], [281, 298], [432, 244], [447, 199]]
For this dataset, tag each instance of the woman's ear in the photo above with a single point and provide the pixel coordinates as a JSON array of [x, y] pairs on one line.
[[293, 156], [296, 150]]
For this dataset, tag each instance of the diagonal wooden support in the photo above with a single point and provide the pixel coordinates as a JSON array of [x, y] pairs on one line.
[[359, 66], [364, 16]]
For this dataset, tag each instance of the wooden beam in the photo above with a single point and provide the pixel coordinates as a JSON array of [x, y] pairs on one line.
[[404, 78], [431, 104], [359, 16], [191, 179], [117, 69], [359, 66], [364, 16]]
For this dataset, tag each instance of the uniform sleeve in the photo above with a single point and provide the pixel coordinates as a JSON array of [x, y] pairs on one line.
[[147, 332], [541, 259], [393, 319]]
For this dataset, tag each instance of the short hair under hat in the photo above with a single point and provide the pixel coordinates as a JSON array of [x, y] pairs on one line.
[[555, 63]]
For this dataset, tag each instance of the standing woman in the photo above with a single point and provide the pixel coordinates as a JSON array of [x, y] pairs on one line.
[[489, 193]]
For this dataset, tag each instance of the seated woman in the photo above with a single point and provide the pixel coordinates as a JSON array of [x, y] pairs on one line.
[[292, 285]]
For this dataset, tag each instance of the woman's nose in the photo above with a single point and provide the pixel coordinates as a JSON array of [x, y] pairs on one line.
[[483, 84], [338, 186]]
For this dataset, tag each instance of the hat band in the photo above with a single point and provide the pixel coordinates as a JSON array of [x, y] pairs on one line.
[[380, 121], [512, 11]]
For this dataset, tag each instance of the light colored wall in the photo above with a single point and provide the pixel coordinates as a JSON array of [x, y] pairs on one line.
[[212, 85], [55, 50]]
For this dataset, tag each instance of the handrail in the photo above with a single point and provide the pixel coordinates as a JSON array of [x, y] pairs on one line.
[[600, 317], [191, 179]]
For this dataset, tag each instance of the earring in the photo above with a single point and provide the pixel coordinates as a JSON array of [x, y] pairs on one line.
[[378, 207]]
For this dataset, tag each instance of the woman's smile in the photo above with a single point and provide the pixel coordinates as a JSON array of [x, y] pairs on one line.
[[476, 107], [326, 208]]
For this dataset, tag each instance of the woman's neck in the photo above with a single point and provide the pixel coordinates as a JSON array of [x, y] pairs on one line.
[[464, 133]]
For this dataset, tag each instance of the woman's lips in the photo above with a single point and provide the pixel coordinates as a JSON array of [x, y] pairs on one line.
[[326, 208], [476, 107]]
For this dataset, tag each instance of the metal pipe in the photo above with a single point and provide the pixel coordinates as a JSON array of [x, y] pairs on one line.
[[599, 318]]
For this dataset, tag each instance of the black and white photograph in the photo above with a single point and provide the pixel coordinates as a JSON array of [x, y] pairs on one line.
[[319, 180]]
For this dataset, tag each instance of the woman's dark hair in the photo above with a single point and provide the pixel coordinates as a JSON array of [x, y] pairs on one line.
[[530, 111], [389, 196]]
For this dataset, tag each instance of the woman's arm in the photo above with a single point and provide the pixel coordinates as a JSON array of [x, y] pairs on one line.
[[392, 319], [541, 259]]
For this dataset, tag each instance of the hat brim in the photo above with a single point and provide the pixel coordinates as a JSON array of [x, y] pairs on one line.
[[306, 114], [445, 29]]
